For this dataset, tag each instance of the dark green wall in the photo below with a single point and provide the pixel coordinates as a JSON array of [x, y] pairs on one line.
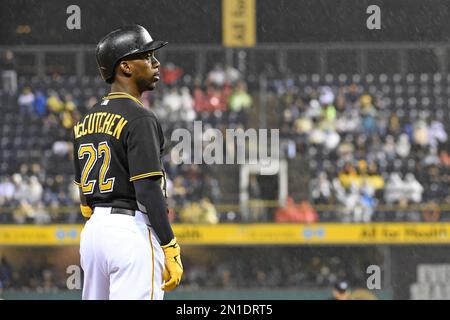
[[200, 295]]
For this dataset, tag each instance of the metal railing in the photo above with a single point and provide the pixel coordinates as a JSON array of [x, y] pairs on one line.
[[357, 57], [427, 211]]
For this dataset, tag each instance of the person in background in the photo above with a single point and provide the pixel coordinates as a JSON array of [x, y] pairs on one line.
[[1, 291], [9, 73], [341, 291]]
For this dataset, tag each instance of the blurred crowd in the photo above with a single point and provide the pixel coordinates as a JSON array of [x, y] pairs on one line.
[[38, 188], [33, 276], [371, 155], [282, 267], [275, 268], [366, 154]]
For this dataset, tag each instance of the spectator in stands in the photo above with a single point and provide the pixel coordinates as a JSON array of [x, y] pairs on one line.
[[170, 73], [368, 203], [9, 73], [209, 211], [37, 171], [444, 158], [412, 188], [1, 290], [288, 213], [67, 114], [332, 139], [240, 104], [23, 213], [394, 189], [50, 191], [298, 213], [341, 291], [373, 178], [187, 105], [394, 125], [20, 187], [403, 147], [232, 75], [432, 213], [329, 115], [54, 103], [353, 94], [352, 205], [199, 212], [200, 100], [26, 101], [314, 109], [321, 189], [217, 75], [326, 95], [41, 215], [389, 148], [420, 132], [7, 191], [172, 102], [437, 133], [5, 272], [35, 191], [40, 104], [348, 176], [403, 212], [179, 193]]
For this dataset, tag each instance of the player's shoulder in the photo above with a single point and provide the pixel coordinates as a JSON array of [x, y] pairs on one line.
[[143, 117]]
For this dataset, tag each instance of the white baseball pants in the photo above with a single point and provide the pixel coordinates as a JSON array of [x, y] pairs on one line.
[[121, 257]]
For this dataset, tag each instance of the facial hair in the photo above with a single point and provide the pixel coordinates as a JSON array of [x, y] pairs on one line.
[[146, 85]]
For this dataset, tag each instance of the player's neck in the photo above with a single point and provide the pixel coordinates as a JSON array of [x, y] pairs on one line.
[[125, 87]]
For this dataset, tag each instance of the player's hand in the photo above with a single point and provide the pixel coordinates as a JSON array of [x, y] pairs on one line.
[[174, 268]]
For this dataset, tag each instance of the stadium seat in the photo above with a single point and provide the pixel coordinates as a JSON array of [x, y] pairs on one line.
[[397, 78], [410, 78], [369, 79], [382, 78], [342, 79], [356, 78]]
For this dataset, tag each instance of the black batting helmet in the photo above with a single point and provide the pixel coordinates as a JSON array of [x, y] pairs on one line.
[[120, 43]]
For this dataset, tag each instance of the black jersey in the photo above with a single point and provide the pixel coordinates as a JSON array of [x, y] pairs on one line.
[[117, 142]]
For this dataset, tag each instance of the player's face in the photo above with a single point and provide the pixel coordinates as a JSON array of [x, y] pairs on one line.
[[146, 71]]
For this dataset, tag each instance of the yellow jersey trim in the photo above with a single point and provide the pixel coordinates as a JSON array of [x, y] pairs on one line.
[[122, 95], [153, 262], [146, 175]]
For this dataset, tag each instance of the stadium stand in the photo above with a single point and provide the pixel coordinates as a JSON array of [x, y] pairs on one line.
[[370, 148]]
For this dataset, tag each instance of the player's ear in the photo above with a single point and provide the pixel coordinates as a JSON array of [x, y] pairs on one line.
[[125, 67]]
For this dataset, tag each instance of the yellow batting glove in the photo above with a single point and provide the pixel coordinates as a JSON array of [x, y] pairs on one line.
[[86, 211], [174, 268]]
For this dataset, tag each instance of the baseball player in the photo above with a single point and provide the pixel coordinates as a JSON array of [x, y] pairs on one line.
[[127, 248]]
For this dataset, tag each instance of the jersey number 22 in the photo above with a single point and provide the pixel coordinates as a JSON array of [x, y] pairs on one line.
[[88, 150]]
